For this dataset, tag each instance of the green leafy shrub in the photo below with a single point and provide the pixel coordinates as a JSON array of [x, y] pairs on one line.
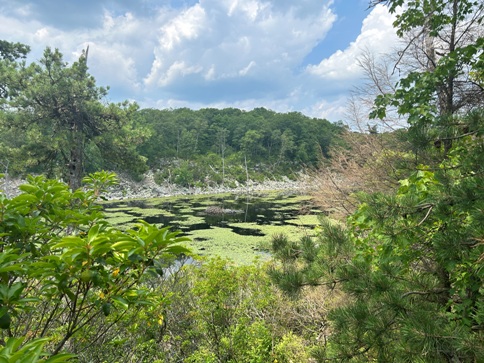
[[291, 349], [66, 274], [222, 312]]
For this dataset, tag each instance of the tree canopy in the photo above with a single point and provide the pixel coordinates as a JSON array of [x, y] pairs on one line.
[[56, 118], [217, 143]]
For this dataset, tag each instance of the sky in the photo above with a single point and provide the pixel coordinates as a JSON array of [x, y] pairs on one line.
[[284, 55]]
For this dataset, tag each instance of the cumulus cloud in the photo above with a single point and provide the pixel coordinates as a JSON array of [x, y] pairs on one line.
[[333, 110], [185, 27], [219, 40], [377, 34]]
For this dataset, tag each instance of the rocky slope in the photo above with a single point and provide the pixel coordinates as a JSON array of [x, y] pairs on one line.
[[147, 188]]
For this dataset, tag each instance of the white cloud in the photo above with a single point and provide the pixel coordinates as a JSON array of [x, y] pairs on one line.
[[42, 34], [186, 26], [251, 8], [244, 71], [23, 10], [116, 65], [331, 110], [377, 34], [16, 30], [220, 40]]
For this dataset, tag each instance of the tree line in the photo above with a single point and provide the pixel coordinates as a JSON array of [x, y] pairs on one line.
[[217, 145]]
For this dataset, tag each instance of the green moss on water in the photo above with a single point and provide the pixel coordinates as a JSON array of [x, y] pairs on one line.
[[123, 221], [149, 212], [191, 220], [186, 211], [226, 244], [306, 220]]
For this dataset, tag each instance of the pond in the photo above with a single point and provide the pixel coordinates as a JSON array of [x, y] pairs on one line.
[[234, 226]]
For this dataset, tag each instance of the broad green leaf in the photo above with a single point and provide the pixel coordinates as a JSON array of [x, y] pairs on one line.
[[177, 250], [125, 245], [70, 242], [15, 290], [42, 265], [93, 232], [99, 250], [57, 188], [120, 301], [13, 344], [28, 188], [11, 268], [27, 354]]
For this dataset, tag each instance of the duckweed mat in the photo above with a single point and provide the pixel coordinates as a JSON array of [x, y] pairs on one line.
[[238, 227]]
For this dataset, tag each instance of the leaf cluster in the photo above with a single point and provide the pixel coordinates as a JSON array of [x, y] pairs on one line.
[[64, 268]]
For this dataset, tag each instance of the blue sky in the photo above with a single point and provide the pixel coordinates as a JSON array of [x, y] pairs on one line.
[[345, 29], [285, 55]]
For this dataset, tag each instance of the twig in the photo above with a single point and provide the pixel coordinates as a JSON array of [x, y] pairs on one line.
[[426, 216]]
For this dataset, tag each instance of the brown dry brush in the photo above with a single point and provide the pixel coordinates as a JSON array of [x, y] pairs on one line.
[[365, 162]]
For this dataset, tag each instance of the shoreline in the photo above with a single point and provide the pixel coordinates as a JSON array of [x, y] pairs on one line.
[[147, 188]]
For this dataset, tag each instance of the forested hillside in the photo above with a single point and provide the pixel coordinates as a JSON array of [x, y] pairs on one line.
[[213, 146]]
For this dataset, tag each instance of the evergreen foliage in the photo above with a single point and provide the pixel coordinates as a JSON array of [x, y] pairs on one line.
[[53, 121], [410, 261]]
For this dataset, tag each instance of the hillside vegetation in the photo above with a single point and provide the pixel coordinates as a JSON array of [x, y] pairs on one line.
[[212, 146]]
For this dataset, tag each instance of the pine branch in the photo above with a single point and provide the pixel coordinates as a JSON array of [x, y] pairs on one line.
[[424, 293]]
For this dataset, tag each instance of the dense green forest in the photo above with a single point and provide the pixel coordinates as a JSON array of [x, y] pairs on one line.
[[215, 146], [398, 276]]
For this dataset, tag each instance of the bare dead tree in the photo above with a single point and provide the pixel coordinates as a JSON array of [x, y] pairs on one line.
[[378, 78]]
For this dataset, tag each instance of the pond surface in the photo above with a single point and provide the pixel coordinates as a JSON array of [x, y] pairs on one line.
[[232, 226]]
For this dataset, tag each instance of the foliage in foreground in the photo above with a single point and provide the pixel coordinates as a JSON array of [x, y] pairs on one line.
[[410, 261], [410, 264], [224, 313], [216, 312], [67, 276]]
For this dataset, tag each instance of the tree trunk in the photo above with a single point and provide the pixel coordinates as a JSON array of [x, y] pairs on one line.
[[75, 165]]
